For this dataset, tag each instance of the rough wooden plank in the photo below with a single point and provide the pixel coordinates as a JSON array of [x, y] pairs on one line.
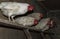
[[6, 23], [27, 33]]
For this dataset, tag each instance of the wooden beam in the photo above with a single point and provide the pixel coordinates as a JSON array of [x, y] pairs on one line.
[[6, 23]]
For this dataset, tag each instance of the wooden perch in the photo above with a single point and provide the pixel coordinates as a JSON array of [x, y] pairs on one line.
[[6, 23], [27, 33]]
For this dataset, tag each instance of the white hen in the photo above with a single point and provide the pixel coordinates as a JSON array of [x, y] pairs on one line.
[[26, 21], [11, 9], [38, 16], [44, 24]]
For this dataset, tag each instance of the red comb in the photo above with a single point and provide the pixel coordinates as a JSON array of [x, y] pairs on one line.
[[30, 8], [35, 22]]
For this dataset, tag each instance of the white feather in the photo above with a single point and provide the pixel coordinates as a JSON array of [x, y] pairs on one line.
[[14, 8], [35, 15], [11, 9], [25, 20], [43, 24]]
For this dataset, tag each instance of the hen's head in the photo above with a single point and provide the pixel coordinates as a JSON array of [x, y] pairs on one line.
[[50, 23], [30, 7], [35, 21]]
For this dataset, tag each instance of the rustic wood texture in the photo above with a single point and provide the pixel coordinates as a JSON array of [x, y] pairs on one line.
[[8, 24], [6, 33]]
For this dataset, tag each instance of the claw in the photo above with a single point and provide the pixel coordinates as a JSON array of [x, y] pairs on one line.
[[9, 19], [12, 17]]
